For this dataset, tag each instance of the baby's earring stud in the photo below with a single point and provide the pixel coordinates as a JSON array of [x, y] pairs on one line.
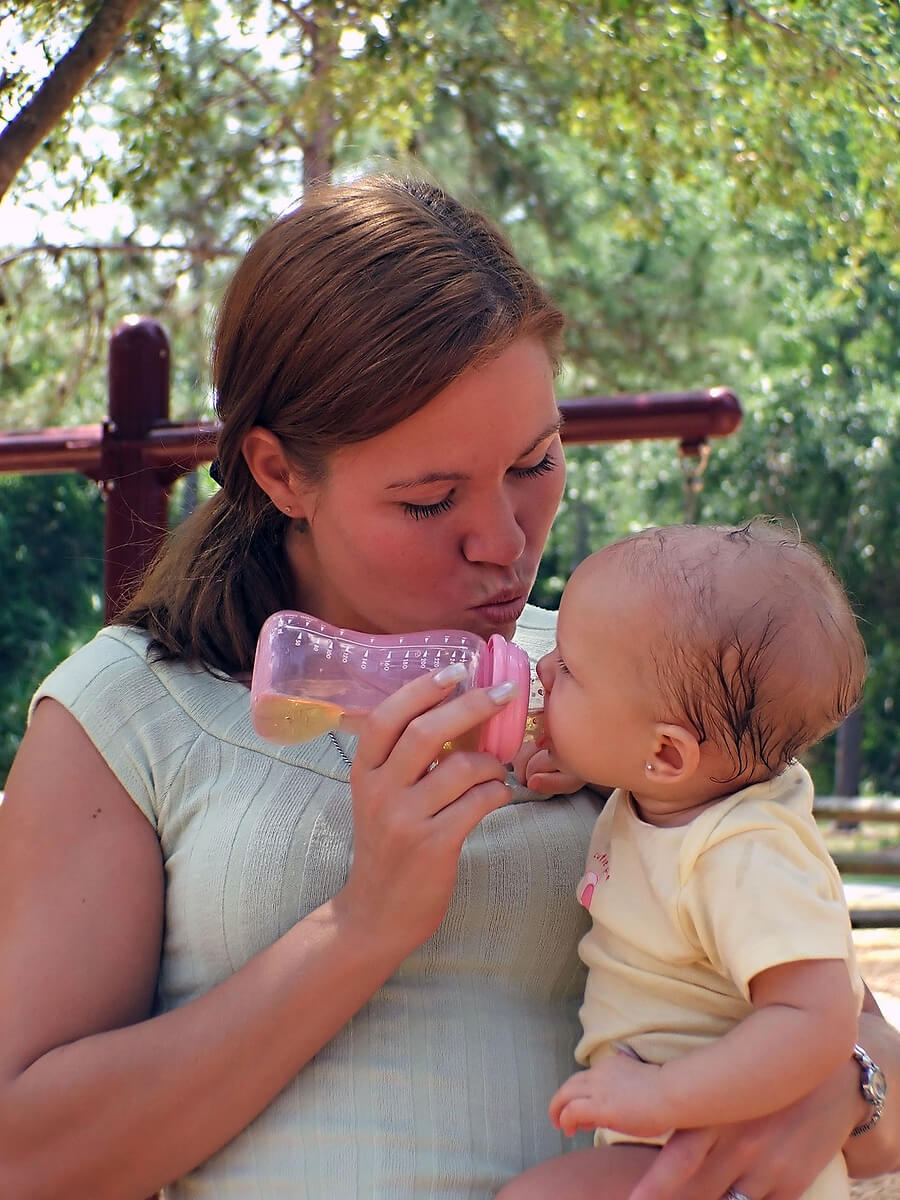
[[649, 766]]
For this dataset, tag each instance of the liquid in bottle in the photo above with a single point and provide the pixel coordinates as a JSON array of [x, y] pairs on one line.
[[310, 677]]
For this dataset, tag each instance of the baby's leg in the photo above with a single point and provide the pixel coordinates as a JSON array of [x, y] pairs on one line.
[[601, 1173]]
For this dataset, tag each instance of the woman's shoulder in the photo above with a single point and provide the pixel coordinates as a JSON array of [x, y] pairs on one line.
[[119, 674], [118, 657], [114, 649], [536, 630]]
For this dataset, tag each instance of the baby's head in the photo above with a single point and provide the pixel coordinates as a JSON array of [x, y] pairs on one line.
[[743, 636]]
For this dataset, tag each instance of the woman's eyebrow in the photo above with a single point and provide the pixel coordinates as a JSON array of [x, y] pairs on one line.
[[552, 429], [430, 477], [457, 476]]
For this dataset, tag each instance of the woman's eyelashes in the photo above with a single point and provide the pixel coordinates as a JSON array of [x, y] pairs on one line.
[[420, 512], [547, 463]]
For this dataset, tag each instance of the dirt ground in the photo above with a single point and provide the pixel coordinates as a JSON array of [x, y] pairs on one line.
[[878, 951]]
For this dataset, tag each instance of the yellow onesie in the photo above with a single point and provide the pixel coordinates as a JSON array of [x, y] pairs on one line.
[[684, 917]]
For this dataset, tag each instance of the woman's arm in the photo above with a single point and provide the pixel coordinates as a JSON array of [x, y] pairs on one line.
[[96, 1100], [782, 1153], [877, 1151]]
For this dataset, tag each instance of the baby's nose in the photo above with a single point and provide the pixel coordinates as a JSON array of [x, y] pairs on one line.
[[546, 669]]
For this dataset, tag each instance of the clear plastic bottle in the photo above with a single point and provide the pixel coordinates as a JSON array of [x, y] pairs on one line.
[[310, 677]]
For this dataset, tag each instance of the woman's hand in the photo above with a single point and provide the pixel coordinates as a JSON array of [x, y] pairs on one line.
[[413, 808], [775, 1157], [877, 1151], [536, 768]]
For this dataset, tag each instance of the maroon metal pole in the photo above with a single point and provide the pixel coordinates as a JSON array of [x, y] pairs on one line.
[[137, 495], [691, 417]]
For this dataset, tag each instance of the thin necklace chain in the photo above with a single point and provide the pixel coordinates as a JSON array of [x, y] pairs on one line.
[[348, 762]]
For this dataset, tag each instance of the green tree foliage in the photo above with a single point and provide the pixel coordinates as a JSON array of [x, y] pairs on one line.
[[817, 366], [210, 118], [821, 446], [709, 190], [51, 551]]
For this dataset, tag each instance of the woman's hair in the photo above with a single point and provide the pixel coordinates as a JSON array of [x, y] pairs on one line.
[[344, 318]]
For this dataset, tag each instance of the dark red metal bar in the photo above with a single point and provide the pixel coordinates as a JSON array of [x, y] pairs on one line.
[[692, 417], [138, 453], [137, 496], [78, 448], [49, 450]]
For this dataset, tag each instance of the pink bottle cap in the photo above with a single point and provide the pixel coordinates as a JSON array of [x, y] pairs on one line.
[[502, 734]]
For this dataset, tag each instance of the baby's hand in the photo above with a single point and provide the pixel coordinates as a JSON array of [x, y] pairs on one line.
[[537, 770], [620, 1092]]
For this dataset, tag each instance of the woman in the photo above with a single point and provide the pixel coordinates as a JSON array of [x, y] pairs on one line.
[[223, 975]]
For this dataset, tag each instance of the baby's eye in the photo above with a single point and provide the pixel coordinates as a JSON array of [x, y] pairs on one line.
[[419, 512], [561, 665], [547, 463]]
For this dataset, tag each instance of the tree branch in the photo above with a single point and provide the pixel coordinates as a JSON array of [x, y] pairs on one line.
[[199, 253], [318, 151], [285, 122], [37, 118], [754, 12], [306, 25]]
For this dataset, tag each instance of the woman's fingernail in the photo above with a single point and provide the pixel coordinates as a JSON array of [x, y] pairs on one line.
[[455, 673], [503, 691]]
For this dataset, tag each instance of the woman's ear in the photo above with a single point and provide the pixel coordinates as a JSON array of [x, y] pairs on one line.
[[676, 754], [265, 457]]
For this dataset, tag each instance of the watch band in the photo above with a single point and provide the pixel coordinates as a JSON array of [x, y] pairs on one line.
[[872, 1121], [873, 1086]]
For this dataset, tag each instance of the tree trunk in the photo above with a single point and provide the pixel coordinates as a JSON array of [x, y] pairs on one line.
[[848, 755], [321, 119], [43, 111]]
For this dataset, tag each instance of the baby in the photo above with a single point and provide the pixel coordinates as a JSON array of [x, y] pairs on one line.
[[693, 665]]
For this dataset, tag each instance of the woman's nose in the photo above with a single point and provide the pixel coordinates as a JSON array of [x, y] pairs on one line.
[[497, 537]]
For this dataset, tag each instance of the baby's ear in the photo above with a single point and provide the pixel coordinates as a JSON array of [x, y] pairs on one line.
[[676, 754]]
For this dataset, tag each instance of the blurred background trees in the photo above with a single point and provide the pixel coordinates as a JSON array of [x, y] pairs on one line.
[[709, 190]]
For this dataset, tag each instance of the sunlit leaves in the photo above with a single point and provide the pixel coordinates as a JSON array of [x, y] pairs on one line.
[[709, 190]]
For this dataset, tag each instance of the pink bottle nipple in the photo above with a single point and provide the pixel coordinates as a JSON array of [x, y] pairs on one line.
[[502, 734]]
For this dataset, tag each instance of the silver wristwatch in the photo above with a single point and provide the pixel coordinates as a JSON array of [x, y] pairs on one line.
[[873, 1086]]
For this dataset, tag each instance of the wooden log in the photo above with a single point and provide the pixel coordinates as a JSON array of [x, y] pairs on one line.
[[858, 808], [869, 862], [875, 918]]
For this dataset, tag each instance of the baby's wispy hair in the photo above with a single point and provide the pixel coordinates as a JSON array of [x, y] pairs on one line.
[[758, 648]]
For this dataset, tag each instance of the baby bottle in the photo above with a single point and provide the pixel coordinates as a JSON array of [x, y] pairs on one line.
[[310, 677]]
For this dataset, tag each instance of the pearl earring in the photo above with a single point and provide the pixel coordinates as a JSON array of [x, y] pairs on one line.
[[649, 766]]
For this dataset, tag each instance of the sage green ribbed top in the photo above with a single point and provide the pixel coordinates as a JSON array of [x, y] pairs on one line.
[[439, 1086]]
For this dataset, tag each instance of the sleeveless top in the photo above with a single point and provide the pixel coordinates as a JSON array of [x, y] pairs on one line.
[[439, 1085]]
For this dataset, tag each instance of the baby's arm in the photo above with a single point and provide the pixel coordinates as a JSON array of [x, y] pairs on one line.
[[599, 1173], [803, 1025]]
